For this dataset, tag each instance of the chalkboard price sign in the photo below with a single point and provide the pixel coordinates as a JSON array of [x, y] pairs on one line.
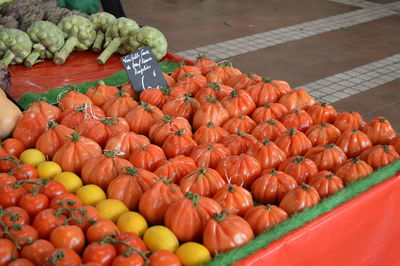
[[143, 70]]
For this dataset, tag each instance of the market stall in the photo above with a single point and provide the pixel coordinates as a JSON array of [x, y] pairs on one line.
[[218, 167]]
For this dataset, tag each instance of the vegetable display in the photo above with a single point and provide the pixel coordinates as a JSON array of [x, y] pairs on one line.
[[180, 174], [101, 20]]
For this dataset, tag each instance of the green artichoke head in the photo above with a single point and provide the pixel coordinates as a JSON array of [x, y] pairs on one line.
[[152, 37], [102, 20], [121, 28], [17, 42], [81, 28], [47, 35]]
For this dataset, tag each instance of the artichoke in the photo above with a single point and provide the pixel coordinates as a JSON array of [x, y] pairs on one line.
[[15, 46], [81, 34], [101, 20], [8, 22], [48, 39], [117, 36], [152, 37]]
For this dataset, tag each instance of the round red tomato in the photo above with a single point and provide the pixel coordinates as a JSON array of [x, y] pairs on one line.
[[7, 162], [101, 229], [63, 257], [68, 236], [164, 258], [46, 221], [86, 215], [130, 239], [10, 194], [134, 259], [67, 199], [7, 251], [98, 252], [52, 189], [25, 171], [23, 233], [15, 215], [37, 251], [33, 203], [21, 262], [13, 146]]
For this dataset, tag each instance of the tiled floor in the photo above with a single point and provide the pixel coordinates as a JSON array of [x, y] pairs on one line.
[[343, 51]]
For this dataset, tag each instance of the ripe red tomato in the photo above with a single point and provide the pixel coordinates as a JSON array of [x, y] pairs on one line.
[[87, 215], [21, 262], [7, 251], [70, 200], [24, 233], [164, 258], [7, 162], [68, 236], [63, 257], [13, 146], [52, 189], [25, 171], [37, 251], [101, 229], [133, 259], [97, 252], [33, 203], [6, 178], [16, 215], [46, 221], [10, 194], [130, 239]]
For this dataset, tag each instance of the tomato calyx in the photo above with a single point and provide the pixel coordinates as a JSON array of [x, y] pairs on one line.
[[210, 124], [297, 112], [210, 147], [272, 122], [273, 172], [266, 142], [58, 256], [299, 159], [146, 107], [234, 93], [324, 104], [75, 136], [330, 146], [51, 124], [111, 153], [166, 118], [292, 131], [214, 86], [386, 148], [202, 171], [188, 76], [165, 91], [324, 125], [355, 160], [231, 188], [268, 207], [382, 120], [329, 176], [355, 131], [194, 198], [179, 132], [304, 186], [266, 80], [240, 133], [120, 93], [211, 99], [219, 217], [111, 239], [131, 170], [109, 121], [19, 183]]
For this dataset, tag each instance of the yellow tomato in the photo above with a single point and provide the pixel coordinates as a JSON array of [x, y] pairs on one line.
[[71, 181], [90, 194], [132, 222], [160, 237], [111, 209], [33, 157], [49, 169], [192, 253]]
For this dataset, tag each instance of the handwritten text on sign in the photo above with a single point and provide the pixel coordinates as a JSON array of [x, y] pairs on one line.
[[143, 70]]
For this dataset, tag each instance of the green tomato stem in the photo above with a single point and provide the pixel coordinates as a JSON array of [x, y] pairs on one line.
[[68, 47], [98, 42], [111, 48], [8, 57]]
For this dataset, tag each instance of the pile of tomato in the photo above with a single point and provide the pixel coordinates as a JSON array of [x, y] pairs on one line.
[[210, 162]]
